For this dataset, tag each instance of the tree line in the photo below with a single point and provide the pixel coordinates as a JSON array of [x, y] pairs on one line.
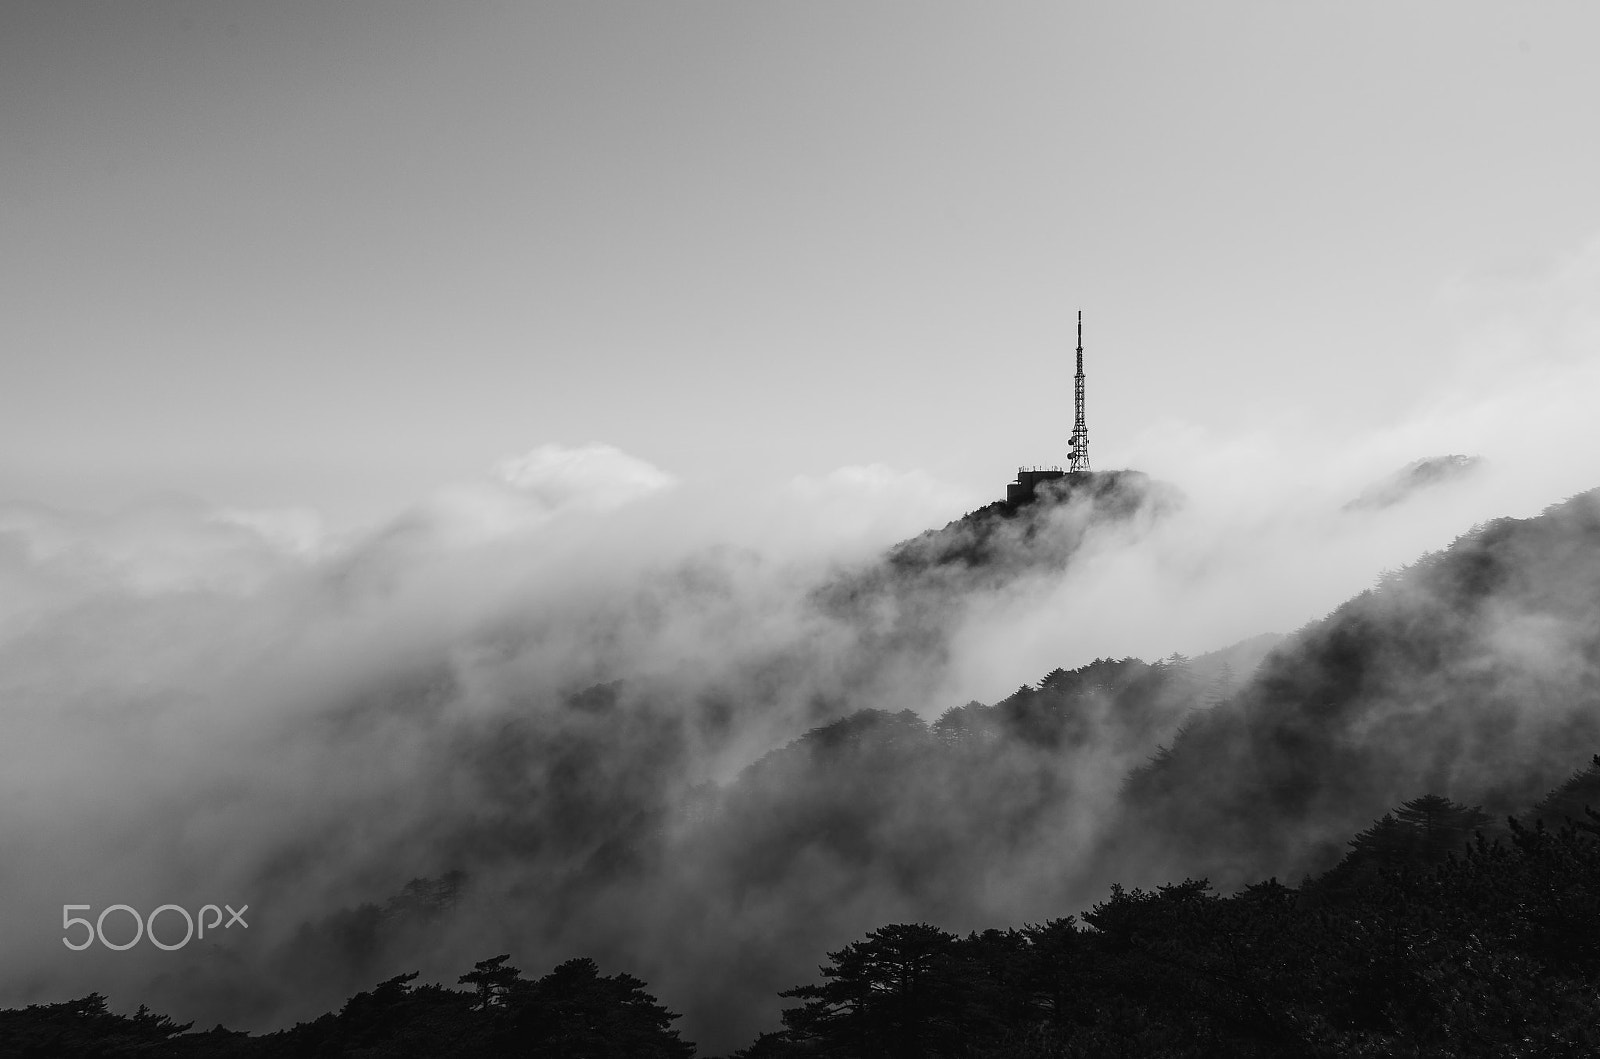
[[1430, 938]]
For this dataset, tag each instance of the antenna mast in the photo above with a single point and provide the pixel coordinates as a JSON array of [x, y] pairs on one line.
[[1078, 456]]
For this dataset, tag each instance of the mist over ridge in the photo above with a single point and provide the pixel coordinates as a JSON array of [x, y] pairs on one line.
[[422, 746]]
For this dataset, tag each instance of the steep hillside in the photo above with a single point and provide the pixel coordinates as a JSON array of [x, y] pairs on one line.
[[1474, 672], [906, 602], [1002, 538]]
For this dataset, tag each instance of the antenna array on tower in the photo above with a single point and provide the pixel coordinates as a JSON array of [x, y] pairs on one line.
[[1078, 454]]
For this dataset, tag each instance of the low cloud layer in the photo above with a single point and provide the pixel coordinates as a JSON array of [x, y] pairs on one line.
[[544, 678]]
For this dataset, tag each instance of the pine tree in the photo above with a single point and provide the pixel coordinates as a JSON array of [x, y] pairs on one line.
[[492, 979]]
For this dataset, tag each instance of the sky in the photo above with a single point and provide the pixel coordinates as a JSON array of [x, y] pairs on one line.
[[335, 258]]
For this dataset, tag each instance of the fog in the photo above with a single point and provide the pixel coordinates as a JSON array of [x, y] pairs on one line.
[[550, 677]]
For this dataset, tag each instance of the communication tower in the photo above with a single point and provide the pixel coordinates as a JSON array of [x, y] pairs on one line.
[[1078, 454], [1028, 480]]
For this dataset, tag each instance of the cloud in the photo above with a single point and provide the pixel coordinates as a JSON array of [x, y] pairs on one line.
[[228, 705], [164, 544], [296, 531], [525, 493], [595, 476]]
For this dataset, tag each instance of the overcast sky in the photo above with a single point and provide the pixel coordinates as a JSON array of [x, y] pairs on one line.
[[338, 255]]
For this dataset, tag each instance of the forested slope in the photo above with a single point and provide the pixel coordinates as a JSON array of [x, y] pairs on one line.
[[1473, 672]]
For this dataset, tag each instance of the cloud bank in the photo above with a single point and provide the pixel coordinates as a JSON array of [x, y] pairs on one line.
[[544, 677]]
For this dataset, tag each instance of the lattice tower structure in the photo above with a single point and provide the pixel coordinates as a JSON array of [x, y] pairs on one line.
[[1078, 454]]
